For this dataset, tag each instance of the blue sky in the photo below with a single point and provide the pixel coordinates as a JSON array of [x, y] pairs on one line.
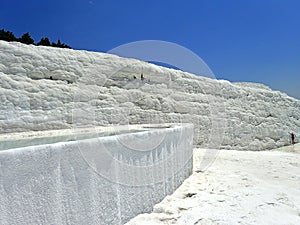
[[257, 40]]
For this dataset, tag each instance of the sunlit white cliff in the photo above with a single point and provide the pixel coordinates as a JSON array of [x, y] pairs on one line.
[[48, 88]]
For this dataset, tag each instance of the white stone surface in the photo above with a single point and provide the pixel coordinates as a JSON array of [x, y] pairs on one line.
[[105, 180], [239, 188], [96, 89]]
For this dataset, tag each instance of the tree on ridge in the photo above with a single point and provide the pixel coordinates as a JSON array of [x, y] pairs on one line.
[[26, 39]]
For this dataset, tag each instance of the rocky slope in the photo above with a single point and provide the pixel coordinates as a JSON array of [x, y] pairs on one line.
[[49, 88]]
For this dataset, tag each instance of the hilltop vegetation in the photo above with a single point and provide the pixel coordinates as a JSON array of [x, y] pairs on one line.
[[27, 39]]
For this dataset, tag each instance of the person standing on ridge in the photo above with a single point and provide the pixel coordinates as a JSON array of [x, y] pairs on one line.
[[292, 138]]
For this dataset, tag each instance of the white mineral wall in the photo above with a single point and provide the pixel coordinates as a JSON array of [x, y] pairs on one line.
[[93, 181], [49, 88]]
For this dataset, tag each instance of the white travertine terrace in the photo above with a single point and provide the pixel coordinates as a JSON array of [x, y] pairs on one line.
[[46, 88], [95, 179]]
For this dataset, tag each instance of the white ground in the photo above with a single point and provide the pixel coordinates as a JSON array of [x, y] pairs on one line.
[[240, 187]]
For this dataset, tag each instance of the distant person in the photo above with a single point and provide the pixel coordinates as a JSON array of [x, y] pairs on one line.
[[142, 77], [292, 138]]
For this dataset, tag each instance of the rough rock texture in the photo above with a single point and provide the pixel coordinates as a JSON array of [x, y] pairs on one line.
[[48, 88]]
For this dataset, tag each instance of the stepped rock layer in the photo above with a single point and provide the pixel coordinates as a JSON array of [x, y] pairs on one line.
[[49, 88], [100, 178]]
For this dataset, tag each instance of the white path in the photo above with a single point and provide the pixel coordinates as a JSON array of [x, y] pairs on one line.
[[238, 188]]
